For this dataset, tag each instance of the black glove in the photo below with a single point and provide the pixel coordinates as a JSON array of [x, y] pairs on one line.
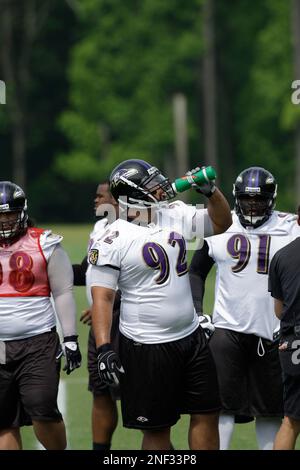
[[207, 188], [205, 321], [72, 353], [109, 365]]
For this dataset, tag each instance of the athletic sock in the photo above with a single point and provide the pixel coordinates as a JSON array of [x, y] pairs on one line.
[[266, 430], [98, 446], [226, 426]]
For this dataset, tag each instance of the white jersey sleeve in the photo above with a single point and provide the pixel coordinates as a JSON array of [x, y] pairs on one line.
[[100, 228], [105, 251], [104, 277]]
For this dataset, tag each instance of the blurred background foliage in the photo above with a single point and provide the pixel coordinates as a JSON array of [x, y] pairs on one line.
[[90, 83]]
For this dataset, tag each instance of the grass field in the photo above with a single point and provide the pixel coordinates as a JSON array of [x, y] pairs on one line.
[[75, 400]]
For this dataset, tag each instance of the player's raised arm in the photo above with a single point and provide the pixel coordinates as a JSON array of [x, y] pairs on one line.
[[217, 207], [219, 212]]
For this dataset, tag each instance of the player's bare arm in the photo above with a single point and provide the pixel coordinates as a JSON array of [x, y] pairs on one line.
[[219, 212], [103, 300]]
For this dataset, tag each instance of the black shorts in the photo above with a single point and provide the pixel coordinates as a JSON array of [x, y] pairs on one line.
[[163, 381], [29, 381], [95, 386], [290, 364], [250, 384]]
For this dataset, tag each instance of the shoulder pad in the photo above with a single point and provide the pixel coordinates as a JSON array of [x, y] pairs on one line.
[[99, 228], [48, 238], [176, 204], [286, 215], [100, 224]]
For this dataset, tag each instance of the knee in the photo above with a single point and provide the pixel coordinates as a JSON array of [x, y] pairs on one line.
[[292, 424], [63, 443], [59, 444], [157, 439], [161, 433], [105, 411], [209, 420], [51, 434], [10, 439]]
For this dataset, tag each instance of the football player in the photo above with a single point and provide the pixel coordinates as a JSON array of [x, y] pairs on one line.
[[33, 265], [245, 342], [164, 364], [104, 409]]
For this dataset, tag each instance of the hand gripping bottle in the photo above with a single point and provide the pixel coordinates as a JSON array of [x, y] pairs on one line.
[[204, 175]]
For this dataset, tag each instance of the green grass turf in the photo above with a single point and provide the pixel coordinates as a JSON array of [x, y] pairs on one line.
[[78, 409]]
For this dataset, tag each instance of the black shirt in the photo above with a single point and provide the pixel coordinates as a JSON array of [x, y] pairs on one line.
[[79, 271], [284, 283]]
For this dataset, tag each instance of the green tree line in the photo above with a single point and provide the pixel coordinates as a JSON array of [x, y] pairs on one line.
[[91, 83]]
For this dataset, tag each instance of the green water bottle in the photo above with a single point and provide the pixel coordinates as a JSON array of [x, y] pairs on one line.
[[205, 175]]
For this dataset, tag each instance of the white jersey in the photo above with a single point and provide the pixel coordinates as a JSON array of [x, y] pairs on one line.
[[99, 229], [243, 255], [186, 220], [157, 304], [23, 317]]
